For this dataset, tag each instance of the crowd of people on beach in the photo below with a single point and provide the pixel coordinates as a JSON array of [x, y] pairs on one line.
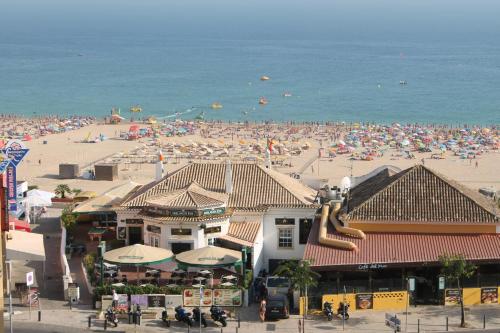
[[28, 128]]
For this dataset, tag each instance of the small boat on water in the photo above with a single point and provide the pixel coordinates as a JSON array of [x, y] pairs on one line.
[[287, 94], [264, 78], [135, 109], [216, 105], [403, 82], [263, 101]]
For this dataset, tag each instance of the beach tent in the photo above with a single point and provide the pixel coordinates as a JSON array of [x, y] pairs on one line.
[[210, 257], [39, 198]]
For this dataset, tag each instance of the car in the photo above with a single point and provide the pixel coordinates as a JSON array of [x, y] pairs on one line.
[[277, 285], [277, 307]]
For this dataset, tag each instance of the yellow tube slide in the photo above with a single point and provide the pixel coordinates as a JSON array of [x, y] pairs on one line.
[[344, 230], [323, 240]]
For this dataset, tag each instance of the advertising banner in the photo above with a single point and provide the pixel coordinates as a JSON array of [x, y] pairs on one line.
[[156, 301], [451, 297], [364, 301], [489, 295], [171, 301], [228, 297], [11, 188], [141, 300], [191, 297]]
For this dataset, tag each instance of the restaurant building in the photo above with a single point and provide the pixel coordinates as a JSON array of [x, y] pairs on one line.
[[405, 221], [234, 205]]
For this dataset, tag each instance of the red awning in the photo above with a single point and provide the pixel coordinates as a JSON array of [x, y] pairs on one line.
[[19, 225], [401, 248]]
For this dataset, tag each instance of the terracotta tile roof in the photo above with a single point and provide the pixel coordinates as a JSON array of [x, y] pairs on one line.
[[243, 233], [190, 197], [253, 186], [396, 248], [417, 194]]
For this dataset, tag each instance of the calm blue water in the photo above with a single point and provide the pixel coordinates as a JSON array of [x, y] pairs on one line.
[[330, 79]]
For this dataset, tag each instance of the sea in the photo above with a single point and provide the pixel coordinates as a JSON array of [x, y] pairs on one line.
[[359, 78]]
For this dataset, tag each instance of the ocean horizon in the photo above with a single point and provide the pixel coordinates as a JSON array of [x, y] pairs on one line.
[[346, 75]]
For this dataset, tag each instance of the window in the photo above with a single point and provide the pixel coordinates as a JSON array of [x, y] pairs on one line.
[[180, 232], [285, 238], [284, 221], [211, 241], [154, 241], [304, 229], [212, 230]]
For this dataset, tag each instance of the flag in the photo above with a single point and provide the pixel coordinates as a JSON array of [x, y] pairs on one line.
[[270, 144]]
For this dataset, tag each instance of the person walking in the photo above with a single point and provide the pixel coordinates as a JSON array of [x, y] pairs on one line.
[[114, 303]]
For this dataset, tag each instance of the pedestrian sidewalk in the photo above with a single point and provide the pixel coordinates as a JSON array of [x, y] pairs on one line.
[[432, 319]]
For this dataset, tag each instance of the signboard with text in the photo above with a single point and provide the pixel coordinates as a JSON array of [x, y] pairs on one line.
[[227, 297], [191, 297], [364, 301], [451, 297], [11, 188], [489, 295]]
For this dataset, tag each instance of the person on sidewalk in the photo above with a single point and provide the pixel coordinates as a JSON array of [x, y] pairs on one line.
[[262, 310], [114, 303]]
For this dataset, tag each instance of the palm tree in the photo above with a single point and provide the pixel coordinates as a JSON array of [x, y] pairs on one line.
[[61, 190], [76, 191], [300, 274], [455, 267]]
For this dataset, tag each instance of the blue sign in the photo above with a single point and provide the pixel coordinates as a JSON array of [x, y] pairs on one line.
[[11, 188], [15, 151], [4, 163], [15, 156]]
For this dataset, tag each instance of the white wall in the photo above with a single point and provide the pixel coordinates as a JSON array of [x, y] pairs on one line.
[[271, 249], [257, 254]]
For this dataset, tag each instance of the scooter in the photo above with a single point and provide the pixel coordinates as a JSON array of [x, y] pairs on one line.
[[164, 318], [111, 316], [328, 311], [183, 316], [198, 315], [342, 311], [219, 315]]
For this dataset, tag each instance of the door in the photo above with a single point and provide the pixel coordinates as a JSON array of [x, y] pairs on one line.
[[180, 247], [134, 235]]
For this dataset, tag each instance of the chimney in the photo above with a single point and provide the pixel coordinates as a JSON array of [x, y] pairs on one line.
[[229, 177], [159, 166], [268, 158]]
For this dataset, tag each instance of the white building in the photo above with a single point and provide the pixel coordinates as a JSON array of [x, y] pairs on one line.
[[233, 205]]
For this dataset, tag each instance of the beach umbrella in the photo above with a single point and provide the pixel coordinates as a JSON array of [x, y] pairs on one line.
[[209, 256], [138, 255]]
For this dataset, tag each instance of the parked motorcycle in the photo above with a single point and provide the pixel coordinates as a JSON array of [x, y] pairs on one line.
[[328, 311], [342, 311], [198, 315], [111, 316], [183, 316], [219, 315], [164, 318]]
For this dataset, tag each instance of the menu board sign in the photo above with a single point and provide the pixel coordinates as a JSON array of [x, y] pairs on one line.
[[489, 295], [141, 300], [191, 297], [451, 297], [364, 301], [227, 297], [156, 301]]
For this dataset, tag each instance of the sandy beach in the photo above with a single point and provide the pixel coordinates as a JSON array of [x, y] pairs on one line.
[[212, 142]]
